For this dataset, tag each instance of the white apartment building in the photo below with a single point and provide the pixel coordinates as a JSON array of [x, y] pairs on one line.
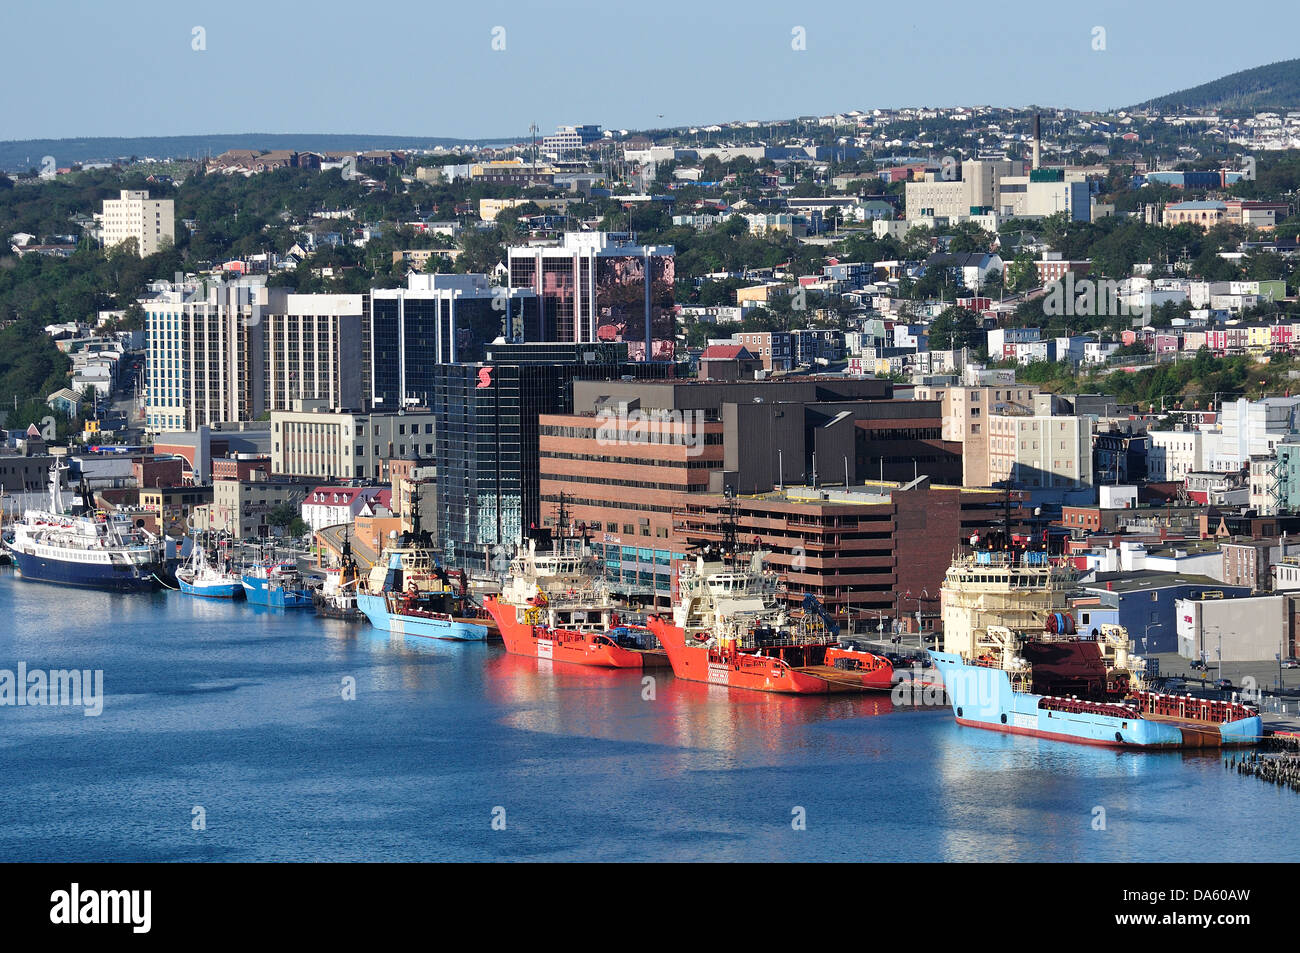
[[1250, 428], [567, 140], [151, 222], [1040, 452], [311, 440], [232, 350], [1175, 453]]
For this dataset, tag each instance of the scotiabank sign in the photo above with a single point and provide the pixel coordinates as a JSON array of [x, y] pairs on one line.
[[484, 378]]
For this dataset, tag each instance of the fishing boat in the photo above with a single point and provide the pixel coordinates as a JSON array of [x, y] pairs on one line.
[[1014, 662], [336, 598], [82, 546], [278, 585], [200, 578]]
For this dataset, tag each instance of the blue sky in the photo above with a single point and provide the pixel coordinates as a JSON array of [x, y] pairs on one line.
[[127, 67]]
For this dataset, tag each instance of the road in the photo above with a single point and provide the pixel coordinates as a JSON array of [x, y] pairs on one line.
[[332, 538]]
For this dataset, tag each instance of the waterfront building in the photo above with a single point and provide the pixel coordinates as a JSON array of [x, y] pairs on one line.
[[486, 436]]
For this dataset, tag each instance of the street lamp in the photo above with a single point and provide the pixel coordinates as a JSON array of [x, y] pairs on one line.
[[1147, 636]]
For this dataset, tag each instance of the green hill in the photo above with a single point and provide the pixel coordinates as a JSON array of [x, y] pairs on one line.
[[1276, 85]]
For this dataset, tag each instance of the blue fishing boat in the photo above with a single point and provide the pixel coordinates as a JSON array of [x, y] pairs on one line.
[[201, 578], [409, 593], [277, 585]]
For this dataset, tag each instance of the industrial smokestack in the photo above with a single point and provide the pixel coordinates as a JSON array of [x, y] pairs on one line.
[[1038, 138]]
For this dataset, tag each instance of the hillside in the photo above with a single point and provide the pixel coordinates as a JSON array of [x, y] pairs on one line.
[[18, 155], [1276, 85]]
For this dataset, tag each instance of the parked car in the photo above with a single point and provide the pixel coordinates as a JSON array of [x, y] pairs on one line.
[[1223, 684], [1291, 663]]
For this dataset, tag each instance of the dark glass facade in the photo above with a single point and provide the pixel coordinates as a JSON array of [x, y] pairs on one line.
[[487, 437], [412, 333]]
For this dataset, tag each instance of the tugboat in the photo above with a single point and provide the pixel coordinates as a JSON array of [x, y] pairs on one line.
[[278, 585], [337, 597], [730, 627], [409, 593], [200, 578], [1013, 662], [84, 547]]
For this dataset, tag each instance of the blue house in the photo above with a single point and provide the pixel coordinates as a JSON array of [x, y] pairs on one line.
[[1145, 602]]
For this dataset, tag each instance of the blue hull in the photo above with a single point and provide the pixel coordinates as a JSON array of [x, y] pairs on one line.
[[225, 590], [83, 576], [259, 593], [983, 698], [377, 612]]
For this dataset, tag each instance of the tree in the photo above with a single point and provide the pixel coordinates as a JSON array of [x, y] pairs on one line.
[[955, 327], [967, 237], [283, 515]]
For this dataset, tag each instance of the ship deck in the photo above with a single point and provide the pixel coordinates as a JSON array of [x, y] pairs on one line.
[[839, 680], [1196, 734]]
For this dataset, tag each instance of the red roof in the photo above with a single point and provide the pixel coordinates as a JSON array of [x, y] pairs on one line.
[[726, 352], [340, 495]]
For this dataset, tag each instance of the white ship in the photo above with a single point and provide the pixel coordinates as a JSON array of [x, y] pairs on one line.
[[82, 547]]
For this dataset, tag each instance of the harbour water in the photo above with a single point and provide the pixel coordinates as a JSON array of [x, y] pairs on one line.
[[240, 711]]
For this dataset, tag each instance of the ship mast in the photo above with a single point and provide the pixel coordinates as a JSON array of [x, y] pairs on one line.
[[730, 547]]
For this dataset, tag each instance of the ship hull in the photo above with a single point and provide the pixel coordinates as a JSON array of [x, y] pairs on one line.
[[459, 630], [82, 575], [983, 698], [220, 590], [258, 593], [330, 610], [745, 670], [578, 648]]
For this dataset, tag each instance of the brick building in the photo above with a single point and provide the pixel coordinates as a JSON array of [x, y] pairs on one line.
[[870, 554]]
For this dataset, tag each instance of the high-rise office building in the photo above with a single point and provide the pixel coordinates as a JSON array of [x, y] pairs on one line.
[[596, 286], [204, 354], [440, 319], [486, 437], [313, 345]]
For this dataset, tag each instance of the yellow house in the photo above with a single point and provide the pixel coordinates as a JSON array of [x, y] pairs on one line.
[[1258, 335]]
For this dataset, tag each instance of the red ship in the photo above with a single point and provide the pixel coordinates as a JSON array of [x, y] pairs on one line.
[[553, 607], [729, 628], [524, 634]]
